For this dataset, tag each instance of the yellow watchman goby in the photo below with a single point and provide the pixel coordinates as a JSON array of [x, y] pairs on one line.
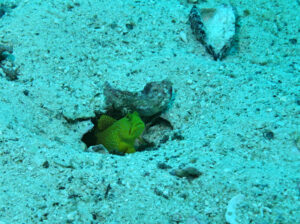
[[119, 135]]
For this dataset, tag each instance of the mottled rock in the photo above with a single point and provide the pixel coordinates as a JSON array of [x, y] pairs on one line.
[[154, 98], [158, 131], [190, 173]]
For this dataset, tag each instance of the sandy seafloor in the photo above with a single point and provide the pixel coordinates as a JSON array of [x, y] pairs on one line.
[[66, 50]]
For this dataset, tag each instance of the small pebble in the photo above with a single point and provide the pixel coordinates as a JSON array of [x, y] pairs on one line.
[[293, 41], [163, 166], [190, 173], [46, 164], [26, 92], [182, 36], [189, 81], [192, 1], [269, 135]]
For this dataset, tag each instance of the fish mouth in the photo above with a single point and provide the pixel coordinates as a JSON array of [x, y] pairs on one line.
[[138, 129], [140, 124]]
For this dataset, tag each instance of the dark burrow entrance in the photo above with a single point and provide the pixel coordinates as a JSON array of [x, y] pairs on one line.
[[157, 131]]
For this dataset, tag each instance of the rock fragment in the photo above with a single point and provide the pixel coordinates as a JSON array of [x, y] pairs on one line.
[[214, 28]]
